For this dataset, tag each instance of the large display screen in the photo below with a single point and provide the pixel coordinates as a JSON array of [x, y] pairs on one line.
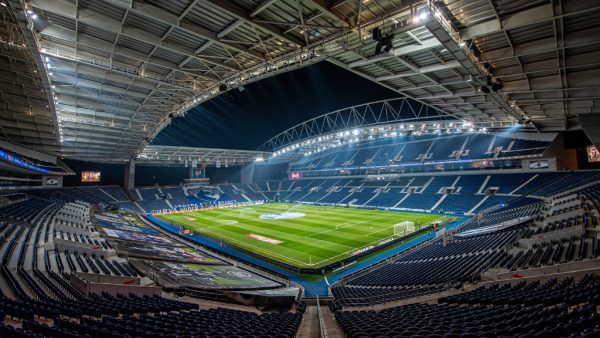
[[295, 175], [197, 173], [90, 176], [543, 164], [593, 154]]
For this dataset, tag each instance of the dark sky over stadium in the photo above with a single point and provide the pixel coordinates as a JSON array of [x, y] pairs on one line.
[[245, 120]]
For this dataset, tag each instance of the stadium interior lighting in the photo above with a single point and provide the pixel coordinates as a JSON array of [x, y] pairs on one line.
[[351, 137], [59, 117], [383, 41]]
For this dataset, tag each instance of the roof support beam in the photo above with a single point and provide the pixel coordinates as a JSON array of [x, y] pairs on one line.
[[241, 14], [572, 40], [523, 18], [230, 28], [262, 7], [420, 70], [323, 7], [66, 34], [399, 51], [157, 14], [519, 19]]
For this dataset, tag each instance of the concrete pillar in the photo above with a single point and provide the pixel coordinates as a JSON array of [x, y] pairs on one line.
[[130, 175], [591, 126]]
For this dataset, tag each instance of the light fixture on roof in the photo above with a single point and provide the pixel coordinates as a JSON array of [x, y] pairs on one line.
[[383, 41]]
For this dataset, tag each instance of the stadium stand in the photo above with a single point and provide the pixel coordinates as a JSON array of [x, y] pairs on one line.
[[37, 295], [508, 238], [413, 148], [471, 321], [141, 195]]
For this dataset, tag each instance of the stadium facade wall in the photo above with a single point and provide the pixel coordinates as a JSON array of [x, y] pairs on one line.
[[162, 175], [224, 175], [89, 284]]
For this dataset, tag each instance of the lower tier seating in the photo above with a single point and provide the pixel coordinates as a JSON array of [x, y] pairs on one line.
[[473, 321]]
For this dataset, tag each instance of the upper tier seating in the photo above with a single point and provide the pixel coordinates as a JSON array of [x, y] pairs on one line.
[[149, 194], [25, 210], [412, 149], [446, 193], [31, 163], [116, 192]]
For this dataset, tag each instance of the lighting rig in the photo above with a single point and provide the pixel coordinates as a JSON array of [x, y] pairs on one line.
[[351, 137]]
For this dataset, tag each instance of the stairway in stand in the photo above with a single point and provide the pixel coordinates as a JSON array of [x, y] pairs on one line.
[[310, 323], [332, 327]]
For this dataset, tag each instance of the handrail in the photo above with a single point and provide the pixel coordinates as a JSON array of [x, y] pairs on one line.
[[321, 321]]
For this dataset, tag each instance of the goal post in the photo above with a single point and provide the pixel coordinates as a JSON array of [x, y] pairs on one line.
[[404, 228]]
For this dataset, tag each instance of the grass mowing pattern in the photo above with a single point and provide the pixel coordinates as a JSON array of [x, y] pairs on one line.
[[323, 236]]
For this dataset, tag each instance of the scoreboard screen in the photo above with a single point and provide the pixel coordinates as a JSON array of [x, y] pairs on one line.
[[593, 154], [90, 176], [295, 175]]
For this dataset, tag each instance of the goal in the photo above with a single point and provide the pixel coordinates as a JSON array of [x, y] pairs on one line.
[[404, 228]]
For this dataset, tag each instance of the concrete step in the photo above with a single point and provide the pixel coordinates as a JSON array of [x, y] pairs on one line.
[[6, 290], [331, 325], [309, 327]]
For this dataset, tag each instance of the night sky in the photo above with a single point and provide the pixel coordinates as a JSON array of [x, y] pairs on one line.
[[245, 120]]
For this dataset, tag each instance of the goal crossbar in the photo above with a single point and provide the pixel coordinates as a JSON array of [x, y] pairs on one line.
[[403, 228]]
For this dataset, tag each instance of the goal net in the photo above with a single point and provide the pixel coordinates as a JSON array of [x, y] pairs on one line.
[[404, 228]]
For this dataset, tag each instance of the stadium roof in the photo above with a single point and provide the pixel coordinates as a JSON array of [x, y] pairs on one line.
[[116, 71], [157, 155]]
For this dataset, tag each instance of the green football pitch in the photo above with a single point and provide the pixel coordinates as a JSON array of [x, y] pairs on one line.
[[305, 236]]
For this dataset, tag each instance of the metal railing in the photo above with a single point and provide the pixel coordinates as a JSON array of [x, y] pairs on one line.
[[322, 328]]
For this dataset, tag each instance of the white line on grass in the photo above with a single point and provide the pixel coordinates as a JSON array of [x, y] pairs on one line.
[[242, 243], [259, 249], [346, 225], [364, 246]]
